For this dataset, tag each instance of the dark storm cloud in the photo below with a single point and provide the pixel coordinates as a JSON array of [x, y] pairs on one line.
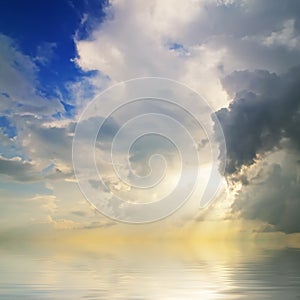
[[264, 117], [264, 112]]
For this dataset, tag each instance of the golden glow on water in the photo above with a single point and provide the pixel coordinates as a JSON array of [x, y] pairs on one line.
[[205, 234], [134, 263], [77, 268]]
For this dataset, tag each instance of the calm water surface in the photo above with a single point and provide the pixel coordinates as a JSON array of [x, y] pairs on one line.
[[227, 272]]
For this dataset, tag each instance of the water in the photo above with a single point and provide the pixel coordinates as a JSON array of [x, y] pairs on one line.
[[150, 272]]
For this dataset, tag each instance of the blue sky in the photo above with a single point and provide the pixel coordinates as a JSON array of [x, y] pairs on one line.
[[45, 31], [243, 57]]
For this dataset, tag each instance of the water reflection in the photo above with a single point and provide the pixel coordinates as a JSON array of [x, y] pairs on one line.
[[151, 272]]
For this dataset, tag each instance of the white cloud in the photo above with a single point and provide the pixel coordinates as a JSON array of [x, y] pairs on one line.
[[45, 52], [195, 42], [136, 40], [19, 91], [286, 37]]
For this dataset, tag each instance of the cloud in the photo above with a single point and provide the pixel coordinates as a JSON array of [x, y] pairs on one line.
[[47, 144], [202, 47], [18, 169], [25, 204], [45, 53], [286, 37], [36, 142], [252, 33], [261, 127], [117, 49], [19, 85], [262, 114], [199, 43], [274, 197], [208, 40]]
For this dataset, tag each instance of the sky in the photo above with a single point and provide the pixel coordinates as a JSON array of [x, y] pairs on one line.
[[243, 57]]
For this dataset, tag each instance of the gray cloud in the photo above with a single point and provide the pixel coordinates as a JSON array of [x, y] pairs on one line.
[[18, 169], [261, 115], [275, 200], [97, 224], [256, 34], [263, 121]]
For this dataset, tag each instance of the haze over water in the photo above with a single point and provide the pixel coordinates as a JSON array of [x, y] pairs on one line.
[[149, 271]]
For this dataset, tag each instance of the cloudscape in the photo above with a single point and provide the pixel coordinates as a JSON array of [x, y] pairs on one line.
[[211, 153]]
